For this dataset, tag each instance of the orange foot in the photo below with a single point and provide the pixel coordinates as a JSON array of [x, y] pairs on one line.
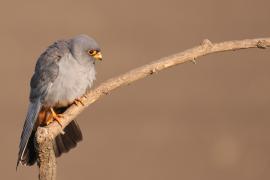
[[78, 102], [54, 117]]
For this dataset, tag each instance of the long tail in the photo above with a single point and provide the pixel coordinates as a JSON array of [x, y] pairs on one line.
[[33, 110], [62, 143], [72, 135]]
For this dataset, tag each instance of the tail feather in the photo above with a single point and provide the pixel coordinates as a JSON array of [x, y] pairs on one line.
[[29, 156], [33, 110], [64, 142]]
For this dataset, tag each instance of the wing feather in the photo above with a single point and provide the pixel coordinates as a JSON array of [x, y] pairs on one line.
[[29, 123], [46, 71]]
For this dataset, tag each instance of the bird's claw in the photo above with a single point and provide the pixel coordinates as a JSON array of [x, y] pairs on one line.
[[54, 117]]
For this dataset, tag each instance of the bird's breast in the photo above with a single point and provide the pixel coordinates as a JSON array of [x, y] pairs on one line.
[[72, 82]]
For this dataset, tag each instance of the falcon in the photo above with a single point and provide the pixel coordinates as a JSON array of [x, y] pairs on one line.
[[63, 74]]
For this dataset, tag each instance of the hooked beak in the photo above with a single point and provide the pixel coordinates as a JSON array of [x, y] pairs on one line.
[[98, 56]]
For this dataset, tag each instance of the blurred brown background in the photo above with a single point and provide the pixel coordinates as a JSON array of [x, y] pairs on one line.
[[207, 121]]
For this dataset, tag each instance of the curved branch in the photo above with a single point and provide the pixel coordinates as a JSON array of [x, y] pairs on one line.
[[205, 48]]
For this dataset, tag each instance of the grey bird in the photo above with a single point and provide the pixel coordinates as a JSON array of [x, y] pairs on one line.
[[63, 74]]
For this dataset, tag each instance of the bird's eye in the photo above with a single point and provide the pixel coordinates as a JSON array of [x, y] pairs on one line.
[[92, 52]]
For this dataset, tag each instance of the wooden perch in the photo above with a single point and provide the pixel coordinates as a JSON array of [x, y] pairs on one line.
[[45, 135]]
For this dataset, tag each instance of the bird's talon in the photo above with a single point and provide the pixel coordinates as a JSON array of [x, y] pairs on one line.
[[58, 121], [49, 121], [55, 117]]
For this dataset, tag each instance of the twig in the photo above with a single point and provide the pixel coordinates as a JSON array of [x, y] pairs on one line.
[[205, 48]]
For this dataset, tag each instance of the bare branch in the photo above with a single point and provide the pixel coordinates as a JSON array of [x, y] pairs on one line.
[[46, 156], [205, 48]]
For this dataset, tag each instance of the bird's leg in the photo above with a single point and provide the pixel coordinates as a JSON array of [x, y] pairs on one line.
[[42, 115], [54, 117], [78, 102], [49, 119]]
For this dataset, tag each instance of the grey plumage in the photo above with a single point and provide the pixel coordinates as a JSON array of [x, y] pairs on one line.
[[64, 72], [33, 110]]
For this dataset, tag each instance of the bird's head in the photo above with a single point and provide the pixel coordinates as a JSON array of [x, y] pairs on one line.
[[84, 48]]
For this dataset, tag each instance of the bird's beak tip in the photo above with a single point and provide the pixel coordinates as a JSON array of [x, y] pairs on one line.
[[98, 56]]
